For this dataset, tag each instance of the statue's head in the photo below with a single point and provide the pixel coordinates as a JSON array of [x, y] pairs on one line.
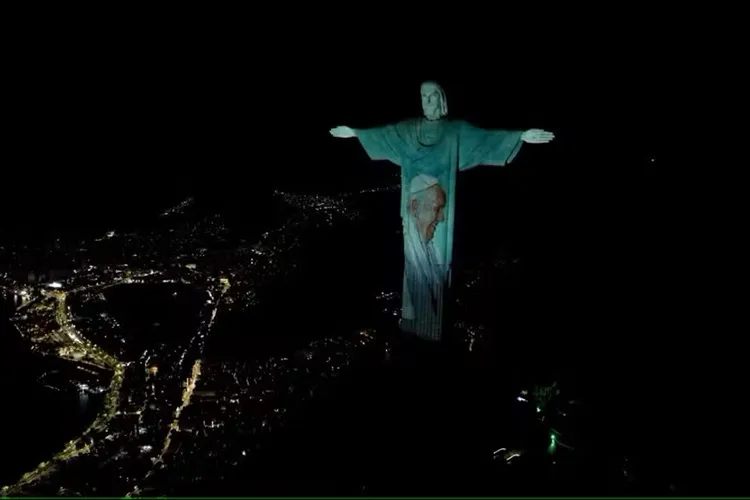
[[434, 104], [426, 205]]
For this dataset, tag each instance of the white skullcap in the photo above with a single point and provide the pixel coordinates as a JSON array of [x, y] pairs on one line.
[[421, 182]]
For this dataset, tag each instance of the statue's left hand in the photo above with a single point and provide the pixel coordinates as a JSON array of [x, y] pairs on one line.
[[537, 136], [342, 132]]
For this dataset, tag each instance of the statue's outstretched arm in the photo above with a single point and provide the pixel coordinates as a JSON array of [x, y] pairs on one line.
[[380, 143], [479, 146]]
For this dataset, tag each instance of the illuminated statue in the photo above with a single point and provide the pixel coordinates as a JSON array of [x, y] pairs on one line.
[[431, 151]]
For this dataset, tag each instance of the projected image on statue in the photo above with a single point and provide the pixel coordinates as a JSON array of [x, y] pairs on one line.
[[430, 151], [424, 266]]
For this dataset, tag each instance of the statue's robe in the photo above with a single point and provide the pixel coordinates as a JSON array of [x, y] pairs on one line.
[[440, 149]]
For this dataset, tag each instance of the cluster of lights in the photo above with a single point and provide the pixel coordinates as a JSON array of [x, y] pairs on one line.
[[179, 208], [92, 279], [325, 206], [263, 393]]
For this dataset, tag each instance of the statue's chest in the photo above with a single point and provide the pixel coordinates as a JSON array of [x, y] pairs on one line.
[[434, 160], [428, 134], [431, 146]]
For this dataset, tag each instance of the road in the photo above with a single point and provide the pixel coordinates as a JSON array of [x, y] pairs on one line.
[[77, 347]]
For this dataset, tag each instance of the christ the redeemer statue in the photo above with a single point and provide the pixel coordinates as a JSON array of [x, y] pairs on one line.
[[431, 151]]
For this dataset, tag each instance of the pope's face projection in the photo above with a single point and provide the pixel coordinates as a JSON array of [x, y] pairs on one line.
[[427, 209]]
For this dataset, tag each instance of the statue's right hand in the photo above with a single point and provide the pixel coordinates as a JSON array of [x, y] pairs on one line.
[[342, 132]]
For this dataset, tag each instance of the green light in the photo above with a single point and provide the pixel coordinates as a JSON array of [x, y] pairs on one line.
[[552, 448], [538, 409]]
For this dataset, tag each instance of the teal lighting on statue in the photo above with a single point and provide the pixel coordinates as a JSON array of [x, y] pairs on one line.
[[430, 151]]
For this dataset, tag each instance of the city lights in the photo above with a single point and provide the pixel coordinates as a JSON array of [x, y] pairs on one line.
[[159, 402]]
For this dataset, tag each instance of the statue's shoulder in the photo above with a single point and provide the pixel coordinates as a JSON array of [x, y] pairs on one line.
[[408, 123]]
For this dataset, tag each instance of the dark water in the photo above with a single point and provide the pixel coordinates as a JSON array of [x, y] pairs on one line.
[[37, 421]]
